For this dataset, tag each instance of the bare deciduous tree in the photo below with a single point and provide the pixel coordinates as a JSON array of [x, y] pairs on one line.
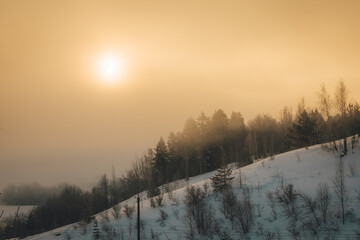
[[129, 211], [116, 211], [163, 215], [228, 206], [287, 198], [323, 197], [159, 199], [311, 208], [340, 188], [271, 199], [199, 211], [325, 109], [245, 212], [242, 178], [325, 103], [341, 99]]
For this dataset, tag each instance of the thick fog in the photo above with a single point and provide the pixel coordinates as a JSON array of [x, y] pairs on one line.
[[60, 123]]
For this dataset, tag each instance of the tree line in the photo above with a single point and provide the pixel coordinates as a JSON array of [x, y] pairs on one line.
[[204, 144], [28, 194]]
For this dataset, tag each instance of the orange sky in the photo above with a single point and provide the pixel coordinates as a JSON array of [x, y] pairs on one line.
[[181, 57]]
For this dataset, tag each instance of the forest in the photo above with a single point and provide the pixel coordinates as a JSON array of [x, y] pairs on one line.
[[202, 146]]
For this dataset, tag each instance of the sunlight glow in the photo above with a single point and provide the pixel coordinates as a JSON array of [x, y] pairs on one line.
[[111, 69]]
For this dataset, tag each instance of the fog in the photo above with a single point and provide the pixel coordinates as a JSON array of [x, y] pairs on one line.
[[60, 123]]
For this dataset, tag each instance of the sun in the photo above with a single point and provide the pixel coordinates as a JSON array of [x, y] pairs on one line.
[[110, 69]]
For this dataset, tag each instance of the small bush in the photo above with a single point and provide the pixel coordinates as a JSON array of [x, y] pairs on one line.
[[169, 190], [104, 217], [152, 203], [242, 178], [83, 226], [228, 207], [95, 230], [128, 211], [109, 231], [271, 199], [206, 189], [245, 212], [159, 199], [199, 211], [116, 211], [153, 192], [323, 197], [163, 215], [287, 198], [176, 213], [259, 209]]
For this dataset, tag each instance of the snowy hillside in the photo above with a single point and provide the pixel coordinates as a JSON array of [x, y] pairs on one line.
[[265, 180]]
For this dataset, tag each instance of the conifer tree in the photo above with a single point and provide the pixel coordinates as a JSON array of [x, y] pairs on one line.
[[161, 161], [95, 231], [302, 131], [222, 179]]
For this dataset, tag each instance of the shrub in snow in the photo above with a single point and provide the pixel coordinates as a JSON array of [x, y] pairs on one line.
[[206, 189], [311, 209], [293, 228], [310, 217], [95, 231], [154, 235], [83, 226], [350, 215], [169, 190], [116, 211], [153, 192], [104, 217], [242, 178], [271, 199], [287, 198], [163, 215], [176, 213], [259, 187], [129, 211], [259, 209], [159, 199], [225, 235], [228, 205], [245, 212], [260, 229], [109, 231], [199, 211], [152, 203], [323, 197]]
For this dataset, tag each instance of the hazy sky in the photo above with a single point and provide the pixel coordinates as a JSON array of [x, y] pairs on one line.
[[60, 122]]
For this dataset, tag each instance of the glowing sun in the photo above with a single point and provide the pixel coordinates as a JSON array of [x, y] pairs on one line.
[[111, 69]]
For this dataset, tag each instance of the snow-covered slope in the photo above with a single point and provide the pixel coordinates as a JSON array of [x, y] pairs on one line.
[[304, 168]]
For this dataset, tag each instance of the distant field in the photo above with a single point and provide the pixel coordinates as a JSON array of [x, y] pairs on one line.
[[11, 210]]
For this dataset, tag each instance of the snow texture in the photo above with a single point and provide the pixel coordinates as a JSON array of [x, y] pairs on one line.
[[304, 168]]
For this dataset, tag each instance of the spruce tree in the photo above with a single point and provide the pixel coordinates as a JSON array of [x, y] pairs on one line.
[[222, 179], [95, 231], [161, 162], [302, 131]]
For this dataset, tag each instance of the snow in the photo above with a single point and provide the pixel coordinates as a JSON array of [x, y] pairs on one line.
[[304, 168]]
